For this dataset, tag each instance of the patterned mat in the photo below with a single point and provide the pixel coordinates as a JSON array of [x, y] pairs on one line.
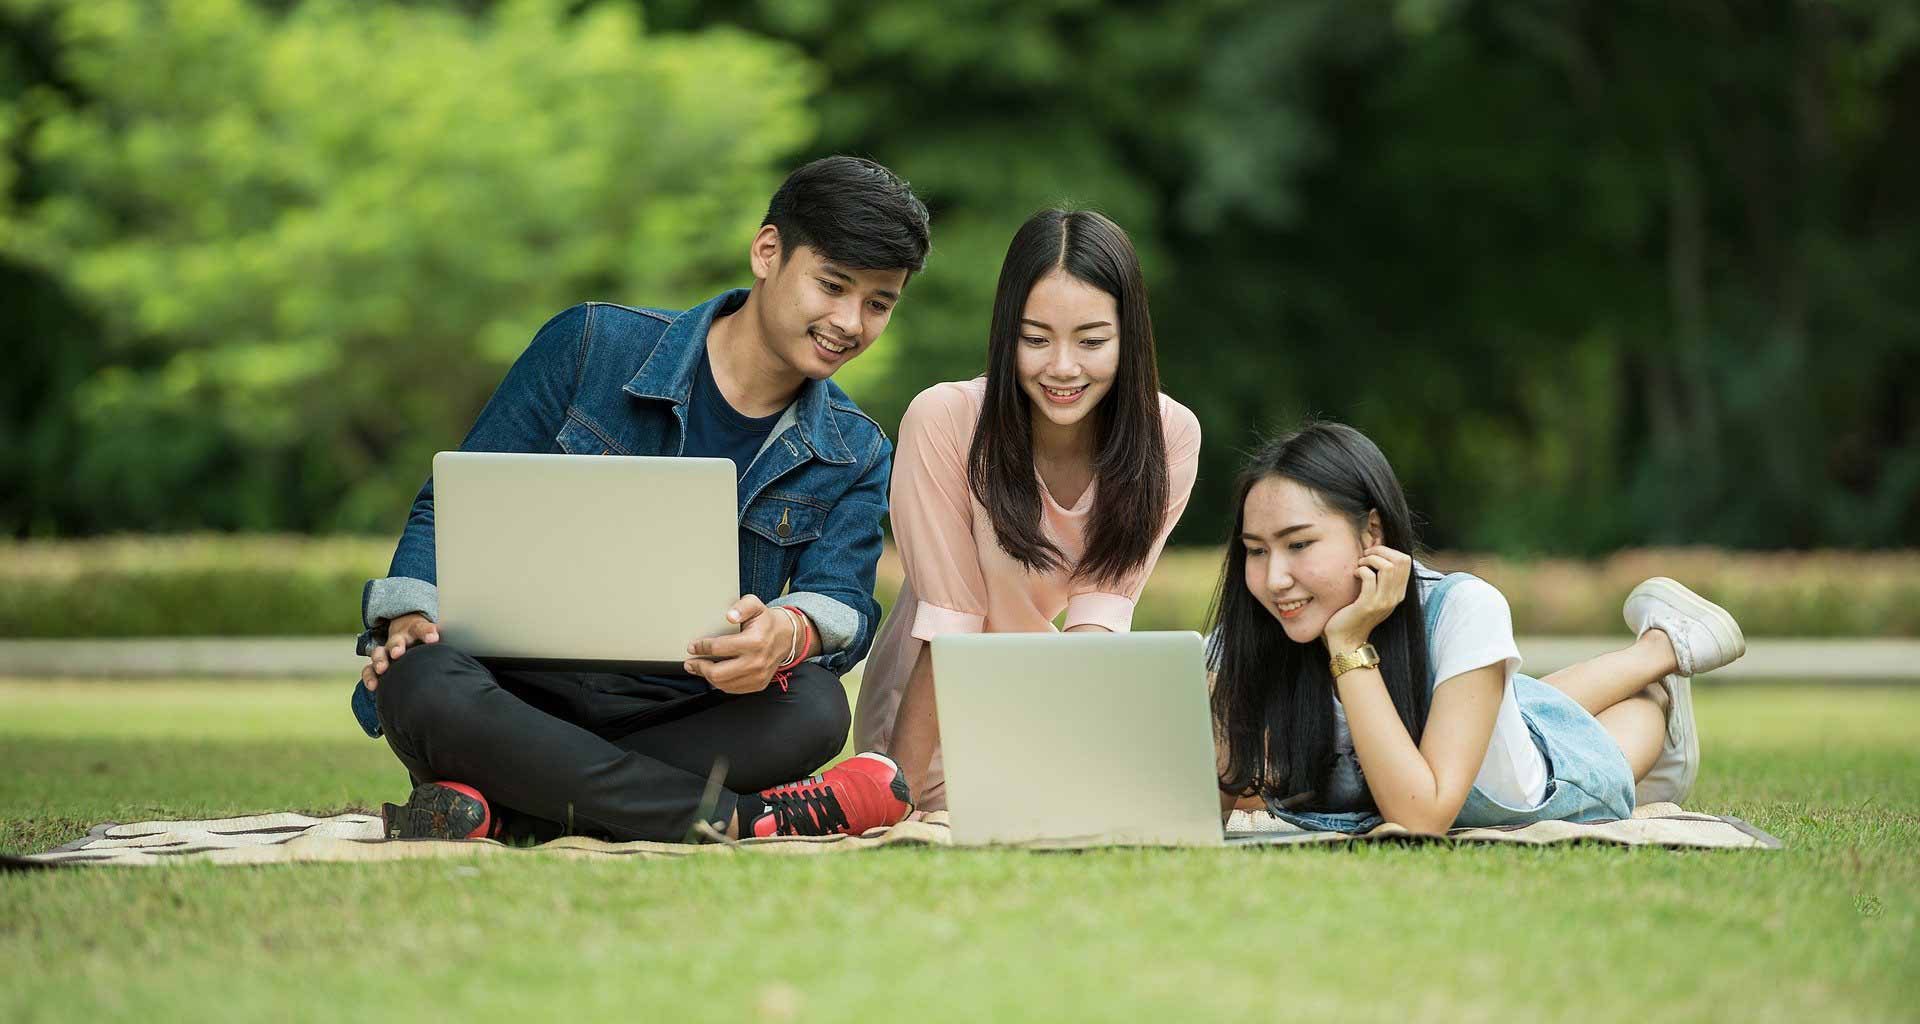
[[287, 837], [1660, 824]]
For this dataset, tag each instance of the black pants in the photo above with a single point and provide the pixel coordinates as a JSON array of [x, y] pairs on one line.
[[603, 754]]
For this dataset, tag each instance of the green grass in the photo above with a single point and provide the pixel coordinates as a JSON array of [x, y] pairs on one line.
[[1824, 928]]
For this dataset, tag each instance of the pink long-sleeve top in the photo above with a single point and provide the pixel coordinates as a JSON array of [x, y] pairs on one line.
[[959, 579]]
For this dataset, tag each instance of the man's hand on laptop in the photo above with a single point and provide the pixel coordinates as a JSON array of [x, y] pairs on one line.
[[745, 661], [406, 631]]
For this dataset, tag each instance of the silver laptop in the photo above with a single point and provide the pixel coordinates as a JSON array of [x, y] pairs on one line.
[[1077, 739], [613, 562]]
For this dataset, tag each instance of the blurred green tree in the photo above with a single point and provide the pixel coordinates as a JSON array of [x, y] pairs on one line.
[[312, 241], [1593, 273]]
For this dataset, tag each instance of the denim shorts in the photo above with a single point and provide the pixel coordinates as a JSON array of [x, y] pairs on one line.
[[1588, 778]]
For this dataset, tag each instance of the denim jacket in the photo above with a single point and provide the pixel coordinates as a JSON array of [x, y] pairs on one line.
[[601, 379]]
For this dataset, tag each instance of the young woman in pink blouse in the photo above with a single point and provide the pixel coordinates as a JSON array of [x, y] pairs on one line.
[[1047, 486]]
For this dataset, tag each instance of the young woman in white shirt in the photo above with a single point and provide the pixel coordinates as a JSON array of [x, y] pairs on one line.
[[1353, 684]]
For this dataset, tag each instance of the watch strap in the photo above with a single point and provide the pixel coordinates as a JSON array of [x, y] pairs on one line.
[[1363, 656]]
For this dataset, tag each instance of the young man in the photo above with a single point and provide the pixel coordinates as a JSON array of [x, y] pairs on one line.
[[742, 376]]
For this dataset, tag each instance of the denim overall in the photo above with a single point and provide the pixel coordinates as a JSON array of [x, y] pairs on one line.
[[601, 379], [1588, 778]]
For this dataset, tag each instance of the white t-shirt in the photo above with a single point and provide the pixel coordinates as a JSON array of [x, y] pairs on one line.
[[1475, 629]]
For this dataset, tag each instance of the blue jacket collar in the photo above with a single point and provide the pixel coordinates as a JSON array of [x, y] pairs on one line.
[[668, 372]]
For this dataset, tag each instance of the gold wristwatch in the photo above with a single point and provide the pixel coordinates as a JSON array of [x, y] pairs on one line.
[[1363, 656]]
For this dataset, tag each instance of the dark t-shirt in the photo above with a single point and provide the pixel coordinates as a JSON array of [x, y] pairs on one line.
[[715, 430]]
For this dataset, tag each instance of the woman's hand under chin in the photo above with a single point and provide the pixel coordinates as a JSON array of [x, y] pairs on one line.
[[1383, 574]]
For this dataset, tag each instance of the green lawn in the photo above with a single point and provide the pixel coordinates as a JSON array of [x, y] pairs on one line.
[[1825, 928]]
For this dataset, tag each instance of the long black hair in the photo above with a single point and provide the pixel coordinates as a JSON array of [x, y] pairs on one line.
[[1273, 698], [1131, 461]]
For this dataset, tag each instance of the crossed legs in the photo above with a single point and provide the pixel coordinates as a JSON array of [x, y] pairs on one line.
[[605, 754], [1613, 688]]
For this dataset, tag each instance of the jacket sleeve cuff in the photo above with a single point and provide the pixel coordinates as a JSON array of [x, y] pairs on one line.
[[836, 623], [931, 620], [386, 599], [1110, 610], [365, 710]]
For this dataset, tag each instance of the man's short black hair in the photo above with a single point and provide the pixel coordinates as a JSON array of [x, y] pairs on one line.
[[853, 212]]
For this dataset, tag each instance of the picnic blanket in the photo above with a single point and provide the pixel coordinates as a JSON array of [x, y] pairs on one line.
[[288, 837], [1661, 824]]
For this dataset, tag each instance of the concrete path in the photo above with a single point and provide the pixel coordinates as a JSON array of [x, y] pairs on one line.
[[1771, 658], [197, 657], [257, 657]]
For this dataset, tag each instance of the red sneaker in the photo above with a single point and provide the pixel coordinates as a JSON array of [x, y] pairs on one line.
[[865, 791], [439, 810]]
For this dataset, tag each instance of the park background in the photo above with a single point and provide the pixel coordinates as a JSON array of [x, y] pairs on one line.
[[1621, 288], [1596, 276]]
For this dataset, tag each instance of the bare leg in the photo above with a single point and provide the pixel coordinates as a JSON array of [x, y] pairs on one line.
[[1639, 726], [1599, 683], [916, 732]]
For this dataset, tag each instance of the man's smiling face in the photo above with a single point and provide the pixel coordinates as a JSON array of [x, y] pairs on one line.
[[817, 314]]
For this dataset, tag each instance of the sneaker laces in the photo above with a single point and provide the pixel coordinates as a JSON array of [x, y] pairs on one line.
[[807, 807]]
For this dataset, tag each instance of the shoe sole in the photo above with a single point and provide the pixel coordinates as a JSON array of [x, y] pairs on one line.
[[1680, 688], [433, 812], [1719, 622]]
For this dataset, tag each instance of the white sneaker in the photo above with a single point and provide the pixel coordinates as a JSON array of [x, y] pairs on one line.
[[1670, 780], [1704, 637]]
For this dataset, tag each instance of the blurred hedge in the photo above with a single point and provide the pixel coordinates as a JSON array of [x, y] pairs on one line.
[[188, 585], [217, 585], [1826, 593]]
